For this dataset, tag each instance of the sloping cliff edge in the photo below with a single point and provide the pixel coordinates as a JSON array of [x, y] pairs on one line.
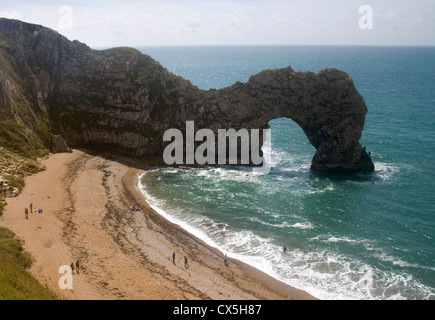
[[122, 101]]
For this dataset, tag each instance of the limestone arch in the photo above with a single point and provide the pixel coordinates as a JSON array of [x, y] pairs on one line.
[[326, 105]]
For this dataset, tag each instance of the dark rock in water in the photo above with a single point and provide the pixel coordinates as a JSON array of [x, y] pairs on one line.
[[123, 101]]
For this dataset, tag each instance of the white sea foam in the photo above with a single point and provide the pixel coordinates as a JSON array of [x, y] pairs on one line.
[[298, 225], [386, 171], [302, 225], [321, 272], [287, 162], [342, 239], [328, 238]]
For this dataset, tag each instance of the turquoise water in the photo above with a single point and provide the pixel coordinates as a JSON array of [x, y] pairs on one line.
[[362, 236]]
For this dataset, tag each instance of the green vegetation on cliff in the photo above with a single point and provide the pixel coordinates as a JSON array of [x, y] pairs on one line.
[[24, 123], [23, 142], [15, 282]]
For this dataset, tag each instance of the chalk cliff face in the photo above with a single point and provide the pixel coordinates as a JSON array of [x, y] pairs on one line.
[[122, 100]]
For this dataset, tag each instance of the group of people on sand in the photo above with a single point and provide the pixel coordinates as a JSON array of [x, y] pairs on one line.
[[76, 267], [186, 263], [36, 210]]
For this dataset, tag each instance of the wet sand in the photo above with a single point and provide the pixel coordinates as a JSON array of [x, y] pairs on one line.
[[123, 254]]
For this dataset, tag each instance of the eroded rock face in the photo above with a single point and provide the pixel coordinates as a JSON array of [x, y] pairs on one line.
[[59, 145], [326, 106], [123, 100]]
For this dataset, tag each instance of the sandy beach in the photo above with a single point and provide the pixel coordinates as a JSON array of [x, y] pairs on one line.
[[86, 201]]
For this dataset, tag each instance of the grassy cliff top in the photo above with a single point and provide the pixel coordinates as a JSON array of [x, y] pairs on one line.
[[15, 282]]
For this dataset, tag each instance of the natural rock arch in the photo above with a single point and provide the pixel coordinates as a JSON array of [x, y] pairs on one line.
[[123, 100], [326, 106]]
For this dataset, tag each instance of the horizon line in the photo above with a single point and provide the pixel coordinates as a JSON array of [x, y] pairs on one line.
[[263, 45]]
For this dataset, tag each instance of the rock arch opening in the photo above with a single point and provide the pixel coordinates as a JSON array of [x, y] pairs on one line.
[[289, 145]]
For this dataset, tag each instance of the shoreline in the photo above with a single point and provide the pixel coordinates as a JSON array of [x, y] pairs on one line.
[[124, 254], [268, 281]]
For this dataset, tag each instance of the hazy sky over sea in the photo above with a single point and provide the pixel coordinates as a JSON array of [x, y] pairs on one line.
[[240, 22]]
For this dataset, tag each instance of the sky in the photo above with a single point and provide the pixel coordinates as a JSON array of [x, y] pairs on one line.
[[136, 23]]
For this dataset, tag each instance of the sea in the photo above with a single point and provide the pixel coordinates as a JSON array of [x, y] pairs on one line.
[[366, 236]]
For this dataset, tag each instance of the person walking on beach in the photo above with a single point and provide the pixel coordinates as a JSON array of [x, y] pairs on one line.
[[26, 213], [31, 207], [78, 267], [72, 268], [173, 257], [186, 264], [226, 260]]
